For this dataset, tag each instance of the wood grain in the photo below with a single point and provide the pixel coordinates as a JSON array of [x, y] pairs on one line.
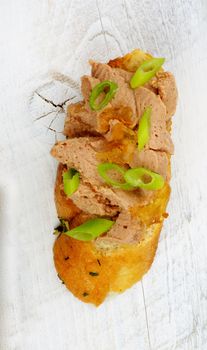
[[45, 46]]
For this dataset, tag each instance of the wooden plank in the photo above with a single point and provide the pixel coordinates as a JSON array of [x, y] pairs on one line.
[[45, 47]]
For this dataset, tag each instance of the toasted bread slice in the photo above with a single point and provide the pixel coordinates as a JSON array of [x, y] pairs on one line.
[[91, 270]]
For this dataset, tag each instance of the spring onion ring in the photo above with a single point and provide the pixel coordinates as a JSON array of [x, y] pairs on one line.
[[90, 229], [138, 177], [103, 168], [146, 71], [143, 133], [98, 89], [71, 179]]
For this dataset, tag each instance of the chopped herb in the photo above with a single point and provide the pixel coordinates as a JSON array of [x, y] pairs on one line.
[[56, 231], [99, 262], [65, 225], [93, 273], [85, 294], [62, 227]]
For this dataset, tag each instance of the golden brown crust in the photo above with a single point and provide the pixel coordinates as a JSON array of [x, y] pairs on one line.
[[91, 273]]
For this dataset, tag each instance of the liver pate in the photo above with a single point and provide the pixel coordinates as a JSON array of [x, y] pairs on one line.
[[112, 129]]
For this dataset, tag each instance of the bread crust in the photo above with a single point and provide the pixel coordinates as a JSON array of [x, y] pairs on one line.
[[90, 273]]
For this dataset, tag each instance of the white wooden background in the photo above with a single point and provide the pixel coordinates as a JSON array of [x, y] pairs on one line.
[[44, 48]]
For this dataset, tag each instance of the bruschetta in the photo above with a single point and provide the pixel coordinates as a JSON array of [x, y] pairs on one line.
[[112, 184]]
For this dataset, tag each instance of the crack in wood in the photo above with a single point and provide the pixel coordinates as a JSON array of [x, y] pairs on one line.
[[109, 34], [127, 16], [52, 121], [51, 129], [56, 105], [60, 105], [55, 132], [103, 31], [44, 115], [146, 316]]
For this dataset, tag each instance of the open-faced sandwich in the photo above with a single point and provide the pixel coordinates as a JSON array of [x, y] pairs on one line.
[[112, 183]]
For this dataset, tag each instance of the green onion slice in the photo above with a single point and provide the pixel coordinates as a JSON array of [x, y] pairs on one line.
[[143, 133], [98, 89], [144, 178], [90, 229], [146, 71], [105, 167], [71, 179]]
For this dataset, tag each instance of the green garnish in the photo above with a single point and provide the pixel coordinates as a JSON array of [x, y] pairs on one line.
[[98, 89], [90, 229], [71, 180], [136, 177], [105, 167], [93, 273], [143, 133], [146, 71], [144, 178], [62, 227]]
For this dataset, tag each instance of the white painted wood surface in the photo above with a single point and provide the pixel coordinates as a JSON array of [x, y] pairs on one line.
[[44, 48]]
